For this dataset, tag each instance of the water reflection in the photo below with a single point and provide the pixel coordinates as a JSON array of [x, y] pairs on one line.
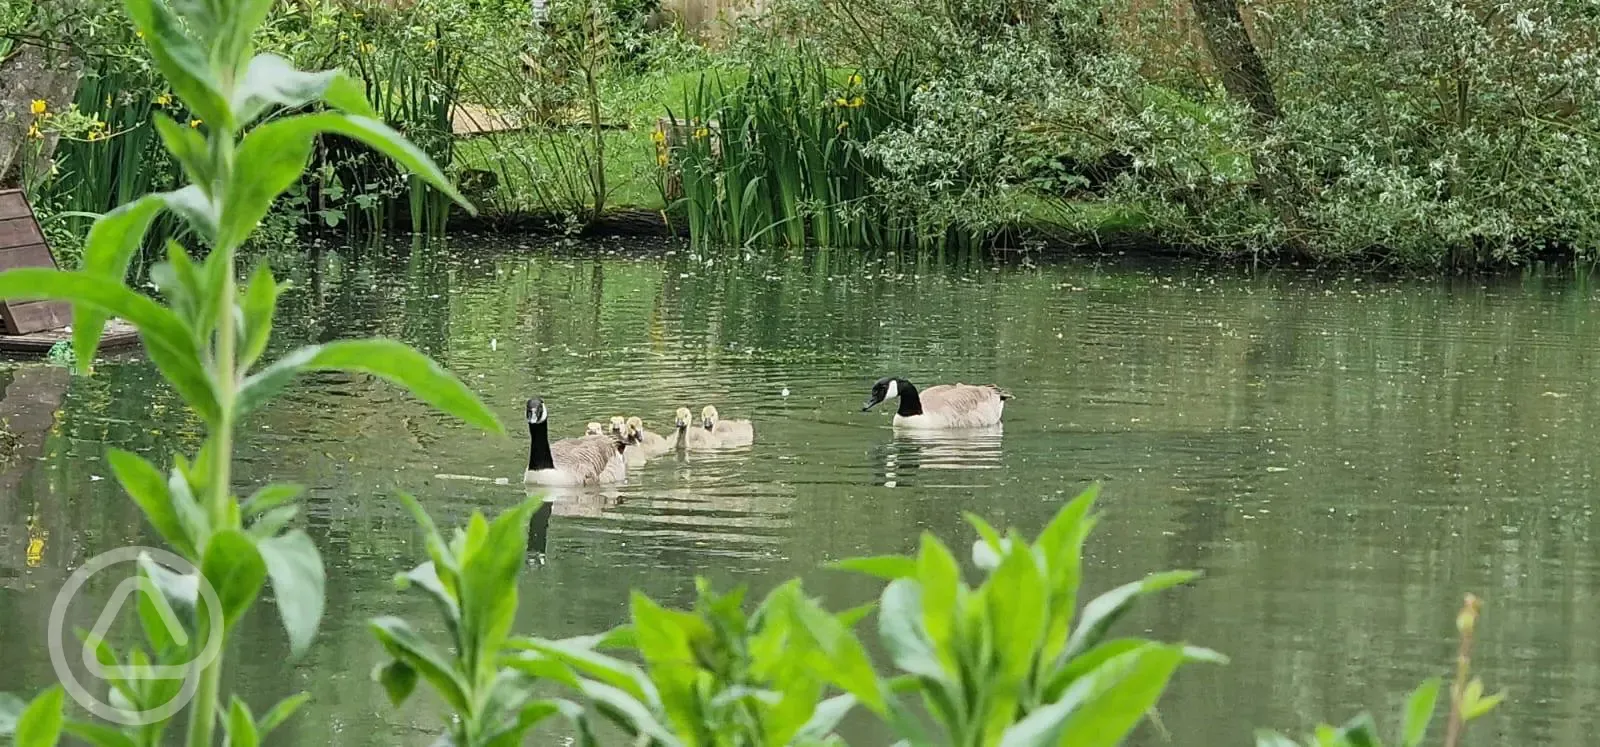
[[1342, 457]]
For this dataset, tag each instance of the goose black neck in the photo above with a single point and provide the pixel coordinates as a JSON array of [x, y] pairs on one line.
[[910, 403], [539, 456]]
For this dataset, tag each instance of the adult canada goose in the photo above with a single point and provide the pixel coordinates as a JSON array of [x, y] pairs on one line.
[[691, 438], [646, 444], [727, 432], [942, 406], [590, 460]]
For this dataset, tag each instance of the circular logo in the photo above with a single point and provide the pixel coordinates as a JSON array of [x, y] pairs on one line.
[[179, 579]]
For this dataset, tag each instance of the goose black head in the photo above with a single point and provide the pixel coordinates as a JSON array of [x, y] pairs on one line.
[[536, 411], [887, 387]]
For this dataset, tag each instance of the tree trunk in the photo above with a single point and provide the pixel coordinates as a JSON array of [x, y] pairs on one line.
[[32, 73], [1243, 74]]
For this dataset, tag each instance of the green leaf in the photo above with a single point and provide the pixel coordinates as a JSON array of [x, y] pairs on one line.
[[196, 523], [826, 718], [399, 680], [272, 80], [272, 522], [268, 161], [387, 359], [39, 725], [445, 567], [886, 567], [1480, 705], [1419, 711], [275, 716], [197, 209], [900, 627], [1101, 708], [489, 584], [384, 139], [1104, 610], [1015, 594], [426, 578], [940, 582], [98, 735], [144, 484], [627, 712], [107, 252], [404, 644], [1061, 546], [272, 496], [168, 341], [259, 302], [298, 584], [235, 570], [188, 147], [181, 60], [159, 621], [613, 673], [241, 725]]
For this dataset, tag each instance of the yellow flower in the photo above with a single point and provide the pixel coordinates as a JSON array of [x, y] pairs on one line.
[[195, 123], [702, 133], [843, 125], [840, 102], [367, 48], [163, 99], [95, 135], [857, 102], [661, 159], [658, 136], [139, 34], [33, 131], [430, 44], [38, 107], [855, 80]]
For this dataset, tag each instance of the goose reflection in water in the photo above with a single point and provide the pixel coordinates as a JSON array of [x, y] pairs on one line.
[[913, 450]]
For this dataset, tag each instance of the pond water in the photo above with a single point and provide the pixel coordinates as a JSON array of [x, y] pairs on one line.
[[1343, 458]]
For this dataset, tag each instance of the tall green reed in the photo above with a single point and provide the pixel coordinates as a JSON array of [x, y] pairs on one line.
[[781, 157]]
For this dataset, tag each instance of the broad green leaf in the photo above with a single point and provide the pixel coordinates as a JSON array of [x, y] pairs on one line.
[[196, 523], [98, 735], [268, 161], [940, 581], [900, 627], [1419, 711], [665, 639], [39, 725], [1101, 708], [398, 679], [614, 673], [181, 60], [272, 496], [1061, 548], [241, 725], [847, 663], [107, 251], [426, 578], [188, 147], [144, 484], [826, 718], [168, 341], [272, 522], [1477, 704], [384, 139], [298, 584], [387, 359], [986, 550], [276, 715], [257, 306], [235, 570], [1361, 731], [1015, 594], [489, 584], [244, 18], [197, 209], [886, 567], [445, 565], [1104, 610], [404, 644], [272, 80], [627, 712]]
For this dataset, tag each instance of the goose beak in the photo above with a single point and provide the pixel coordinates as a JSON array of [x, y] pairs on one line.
[[870, 403]]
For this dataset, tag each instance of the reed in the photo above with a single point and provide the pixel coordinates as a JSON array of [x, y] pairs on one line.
[[780, 158]]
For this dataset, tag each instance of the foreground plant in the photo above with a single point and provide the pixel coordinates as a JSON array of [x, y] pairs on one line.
[[1467, 702], [208, 340], [1003, 662]]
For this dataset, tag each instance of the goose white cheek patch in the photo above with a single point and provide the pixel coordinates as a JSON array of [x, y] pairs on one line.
[[894, 390]]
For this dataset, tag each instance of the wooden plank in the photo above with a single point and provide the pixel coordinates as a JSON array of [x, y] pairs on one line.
[[12, 205], [119, 334], [35, 316], [32, 255], [19, 232]]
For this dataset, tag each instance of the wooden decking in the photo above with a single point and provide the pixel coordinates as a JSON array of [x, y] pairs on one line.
[[33, 327]]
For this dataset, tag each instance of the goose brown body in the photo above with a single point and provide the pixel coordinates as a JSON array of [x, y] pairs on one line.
[[946, 406]]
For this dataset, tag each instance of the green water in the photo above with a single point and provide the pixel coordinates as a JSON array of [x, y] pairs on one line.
[[1343, 458]]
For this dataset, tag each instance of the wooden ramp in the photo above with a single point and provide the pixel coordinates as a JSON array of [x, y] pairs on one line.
[[36, 326]]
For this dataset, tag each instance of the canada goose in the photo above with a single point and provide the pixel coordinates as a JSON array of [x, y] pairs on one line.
[[942, 406], [693, 439], [618, 427], [591, 460], [727, 432], [594, 429], [648, 445]]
